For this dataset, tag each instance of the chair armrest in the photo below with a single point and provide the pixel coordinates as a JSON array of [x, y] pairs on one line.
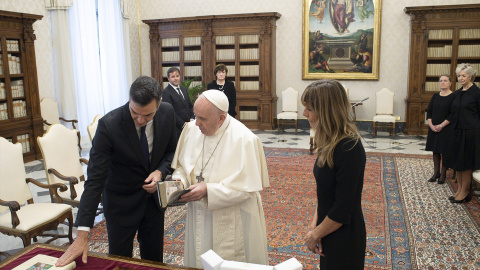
[[14, 206], [46, 123], [72, 179], [71, 121], [53, 188], [84, 161]]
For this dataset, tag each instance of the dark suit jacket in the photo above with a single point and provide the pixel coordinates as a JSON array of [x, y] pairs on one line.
[[230, 92], [118, 169], [183, 107], [465, 109]]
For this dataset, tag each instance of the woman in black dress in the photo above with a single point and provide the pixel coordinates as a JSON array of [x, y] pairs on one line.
[[227, 87], [463, 150], [437, 112], [337, 230]]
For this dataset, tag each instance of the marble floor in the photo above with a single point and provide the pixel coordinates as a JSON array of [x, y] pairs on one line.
[[287, 139]]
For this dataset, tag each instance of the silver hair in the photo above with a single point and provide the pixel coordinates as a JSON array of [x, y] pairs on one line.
[[469, 69]]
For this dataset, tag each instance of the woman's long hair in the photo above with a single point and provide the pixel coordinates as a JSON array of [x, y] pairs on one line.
[[329, 101]]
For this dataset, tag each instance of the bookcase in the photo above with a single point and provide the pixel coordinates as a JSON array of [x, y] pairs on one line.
[[441, 38], [245, 43], [20, 119]]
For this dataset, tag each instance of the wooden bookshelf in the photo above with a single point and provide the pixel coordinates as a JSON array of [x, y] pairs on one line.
[[245, 43], [441, 38], [20, 120]]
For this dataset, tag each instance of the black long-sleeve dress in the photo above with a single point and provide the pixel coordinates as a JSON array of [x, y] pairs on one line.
[[438, 110], [463, 149], [229, 90], [339, 196]]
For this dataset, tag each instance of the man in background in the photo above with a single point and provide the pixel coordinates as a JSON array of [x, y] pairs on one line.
[[179, 98]]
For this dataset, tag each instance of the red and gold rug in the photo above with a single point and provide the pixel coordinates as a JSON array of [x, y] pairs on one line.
[[410, 223]]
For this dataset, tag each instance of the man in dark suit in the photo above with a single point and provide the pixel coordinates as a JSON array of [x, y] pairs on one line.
[[178, 97], [132, 149]]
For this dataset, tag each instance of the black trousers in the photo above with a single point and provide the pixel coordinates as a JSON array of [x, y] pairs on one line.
[[150, 235]]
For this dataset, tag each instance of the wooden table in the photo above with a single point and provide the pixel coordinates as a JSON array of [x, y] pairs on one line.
[[95, 260], [356, 103]]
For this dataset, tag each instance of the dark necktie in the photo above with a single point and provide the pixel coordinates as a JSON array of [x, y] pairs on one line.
[[144, 144], [180, 92]]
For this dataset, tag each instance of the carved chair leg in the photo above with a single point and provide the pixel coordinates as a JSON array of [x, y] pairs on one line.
[[26, 240], [70, 227]]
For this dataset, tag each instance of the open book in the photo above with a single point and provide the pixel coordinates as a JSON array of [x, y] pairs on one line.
[[170, 191], [41, 261]]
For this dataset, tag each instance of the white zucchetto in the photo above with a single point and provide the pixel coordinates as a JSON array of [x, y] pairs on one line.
[[217, 98]]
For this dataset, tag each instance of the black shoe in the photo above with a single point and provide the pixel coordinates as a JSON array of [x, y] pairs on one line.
[[451, 198], [433, 179], [466, 199], [441, 180]]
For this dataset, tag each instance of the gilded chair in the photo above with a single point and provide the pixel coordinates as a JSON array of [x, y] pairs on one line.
[[92, 128], [289, 114], [19, 215], [62, 162], [383, 118], [50, 115]]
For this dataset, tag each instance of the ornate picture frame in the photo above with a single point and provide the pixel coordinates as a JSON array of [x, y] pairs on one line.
[[341, 39]]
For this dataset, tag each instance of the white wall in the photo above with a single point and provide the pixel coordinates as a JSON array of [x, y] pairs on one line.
[[394, 49], [43, 43]]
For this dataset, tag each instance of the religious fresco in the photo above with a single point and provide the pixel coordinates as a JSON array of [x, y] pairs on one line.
[[341, 39]]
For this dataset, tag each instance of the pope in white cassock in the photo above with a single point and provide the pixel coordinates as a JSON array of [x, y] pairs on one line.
[[223, 164]]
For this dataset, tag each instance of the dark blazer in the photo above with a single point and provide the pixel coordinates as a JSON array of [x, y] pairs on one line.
[[118, 169], [230, 92], [465, 109], [183, 107]]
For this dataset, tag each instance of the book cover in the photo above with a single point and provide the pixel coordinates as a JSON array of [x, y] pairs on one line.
[[169, 193], [40, 262]]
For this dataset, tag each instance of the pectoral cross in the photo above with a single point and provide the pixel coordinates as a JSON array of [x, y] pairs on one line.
[[200, 177]]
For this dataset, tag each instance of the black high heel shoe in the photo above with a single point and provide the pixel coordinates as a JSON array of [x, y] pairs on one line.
[[466, 199], [451, 198], [433, 179]]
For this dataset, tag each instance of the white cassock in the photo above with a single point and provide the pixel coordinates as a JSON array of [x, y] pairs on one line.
[[230, 220]]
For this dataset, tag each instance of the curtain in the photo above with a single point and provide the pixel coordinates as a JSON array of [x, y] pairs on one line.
[[112, 54], [86, 62], [63, 69]]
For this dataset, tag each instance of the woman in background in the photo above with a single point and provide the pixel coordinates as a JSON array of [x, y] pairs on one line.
[[437, 112], [337, 230], [227, 87], [463, 149]]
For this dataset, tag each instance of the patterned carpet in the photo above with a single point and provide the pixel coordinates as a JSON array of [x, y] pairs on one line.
[[410, 223]]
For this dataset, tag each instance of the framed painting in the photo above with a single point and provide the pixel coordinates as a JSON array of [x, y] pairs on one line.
[[341, 39]]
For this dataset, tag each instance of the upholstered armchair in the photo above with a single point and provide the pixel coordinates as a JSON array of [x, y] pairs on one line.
[[289, 114], [92, 128], [19, 215], [384, 112], [62, 162], [50, 115]]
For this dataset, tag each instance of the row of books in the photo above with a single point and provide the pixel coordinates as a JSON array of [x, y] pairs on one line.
[[225, 54], [3, 111], [249, 85], [445, 51], [170, 42], [193, 71], [437, 69], [248, 115], [13, 65], [469, 51], [440, 34], [249, 54], [192, 55], [24, 139], [17, 89], [19, 108], [230, 40], [432, 87], [171, 56], [12, 45], [3, 91], [469, 33], [249, 70], [192, 41]]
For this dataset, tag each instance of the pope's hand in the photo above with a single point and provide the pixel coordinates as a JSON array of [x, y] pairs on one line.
[[77, 248], [151, 180], [197, 192]]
